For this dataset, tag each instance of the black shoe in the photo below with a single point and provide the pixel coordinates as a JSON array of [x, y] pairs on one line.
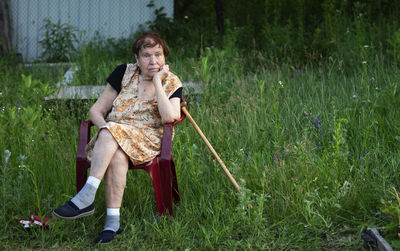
[[106, 236], [69, 211]]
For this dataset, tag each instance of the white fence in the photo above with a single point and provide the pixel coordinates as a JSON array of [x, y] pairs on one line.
[[112, 18]]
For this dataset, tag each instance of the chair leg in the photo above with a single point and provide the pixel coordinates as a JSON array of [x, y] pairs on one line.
[[81, 173], [154, 172], [175, 189], [165, 176]]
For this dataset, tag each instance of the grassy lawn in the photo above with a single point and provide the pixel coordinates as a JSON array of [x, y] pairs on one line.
[[314, 149]]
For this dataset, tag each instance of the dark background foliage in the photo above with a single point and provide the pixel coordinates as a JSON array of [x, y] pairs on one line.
[[301, 31]]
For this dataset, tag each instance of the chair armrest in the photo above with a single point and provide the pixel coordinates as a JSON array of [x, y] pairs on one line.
[[166, 143], [84, 137]]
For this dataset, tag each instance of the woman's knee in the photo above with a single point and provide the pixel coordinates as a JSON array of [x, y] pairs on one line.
[[117, 169], [105, 135], [119, 160]]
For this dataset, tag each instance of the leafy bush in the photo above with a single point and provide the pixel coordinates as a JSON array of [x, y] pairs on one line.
[[392, 209], [59, 42], [394, 42]]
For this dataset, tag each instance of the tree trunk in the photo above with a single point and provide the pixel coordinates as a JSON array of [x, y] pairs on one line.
[[5, 26], [220, 17]]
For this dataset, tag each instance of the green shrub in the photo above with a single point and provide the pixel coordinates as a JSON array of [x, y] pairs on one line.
[[60, 41]]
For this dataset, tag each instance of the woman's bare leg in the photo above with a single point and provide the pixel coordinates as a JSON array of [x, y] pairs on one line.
[[115, 179], [103, 152], [114, 185], [82, 204]]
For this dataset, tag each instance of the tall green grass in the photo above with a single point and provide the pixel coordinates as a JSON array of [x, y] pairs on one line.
[[305, 185]]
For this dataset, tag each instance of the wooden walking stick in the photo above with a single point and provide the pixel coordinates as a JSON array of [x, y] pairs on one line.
[[184, 109]]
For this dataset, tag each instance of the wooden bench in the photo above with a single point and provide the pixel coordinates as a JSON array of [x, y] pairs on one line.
[[94, 91]]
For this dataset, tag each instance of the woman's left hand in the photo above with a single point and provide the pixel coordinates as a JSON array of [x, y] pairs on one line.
[[162, 74]]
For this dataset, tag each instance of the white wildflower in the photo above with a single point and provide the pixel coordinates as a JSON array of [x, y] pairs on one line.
[[6, 156], [344, 189], [22, 158]]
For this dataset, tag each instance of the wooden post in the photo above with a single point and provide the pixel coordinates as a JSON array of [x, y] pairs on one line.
[[5, 26]]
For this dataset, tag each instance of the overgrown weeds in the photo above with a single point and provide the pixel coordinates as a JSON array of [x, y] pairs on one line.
[[313, 146]]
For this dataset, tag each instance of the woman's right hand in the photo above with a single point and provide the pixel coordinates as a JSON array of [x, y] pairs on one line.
[[162, 74], [103, 104]]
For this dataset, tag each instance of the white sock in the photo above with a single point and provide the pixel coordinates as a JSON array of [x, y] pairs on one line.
[[93, 181], [86, 195], [112, 221]]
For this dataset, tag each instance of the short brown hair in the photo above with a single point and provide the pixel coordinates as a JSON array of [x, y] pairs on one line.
[[149, 39]]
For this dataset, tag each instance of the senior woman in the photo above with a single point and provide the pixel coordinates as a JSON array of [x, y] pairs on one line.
[[139, 98]]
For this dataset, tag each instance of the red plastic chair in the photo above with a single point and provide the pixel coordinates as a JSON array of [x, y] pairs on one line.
[[161, 169]]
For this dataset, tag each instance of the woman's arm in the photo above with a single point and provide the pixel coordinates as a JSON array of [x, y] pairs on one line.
[[169, 109], [103, 104]]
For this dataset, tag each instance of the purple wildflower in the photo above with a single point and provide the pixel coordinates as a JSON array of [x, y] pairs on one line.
[[362, 157], [19, 107], [276, 156], [316, 122]]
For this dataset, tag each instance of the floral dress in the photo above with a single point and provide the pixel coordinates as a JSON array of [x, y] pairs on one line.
[[135, 123]]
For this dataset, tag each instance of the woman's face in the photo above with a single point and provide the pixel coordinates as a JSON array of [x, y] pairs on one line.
[[150, 60]]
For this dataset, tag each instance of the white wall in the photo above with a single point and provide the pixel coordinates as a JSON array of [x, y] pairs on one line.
[[112, 18]]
